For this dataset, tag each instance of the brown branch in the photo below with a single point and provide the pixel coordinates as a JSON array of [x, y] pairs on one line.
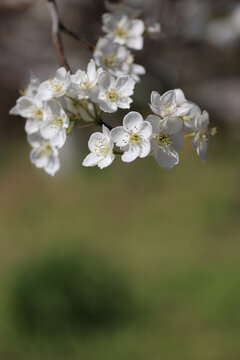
[[80, 38], [56, 36]]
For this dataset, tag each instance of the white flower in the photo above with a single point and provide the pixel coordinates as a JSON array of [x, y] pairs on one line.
[[122, 9], [123, 30], [83, 81], [202, 132], [44, 154], [170, 103], [189, 118], [33, 110], [101, 149], [166, 140], [54, 87], [55, 125], [111, 56], [116, 59], [153, 29], [114, 93], [133, 137]]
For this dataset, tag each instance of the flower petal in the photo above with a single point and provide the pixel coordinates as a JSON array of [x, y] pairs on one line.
[[166, 157], [146, 129], [120, 136], [133, 121], [132, 153], [145, 148], [155, 122], [105, 81], [106, 161], [91, 160]]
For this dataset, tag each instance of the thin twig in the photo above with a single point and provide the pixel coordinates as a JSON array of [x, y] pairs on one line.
[[80, 38], [56, 36], [102, 122]]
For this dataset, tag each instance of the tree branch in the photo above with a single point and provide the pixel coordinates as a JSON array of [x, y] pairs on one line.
[[80, 38], [56, 36]]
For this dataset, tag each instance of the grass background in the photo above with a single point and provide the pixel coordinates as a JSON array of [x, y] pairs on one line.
[[173, 234]]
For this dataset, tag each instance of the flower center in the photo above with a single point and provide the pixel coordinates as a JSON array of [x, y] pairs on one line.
[[102, 147], [134, 138], [112, 95], [56, 85], [121, 32], [46, 150], [164, 139], [167, 107], [58, 120], [109, 60], [37, 113]]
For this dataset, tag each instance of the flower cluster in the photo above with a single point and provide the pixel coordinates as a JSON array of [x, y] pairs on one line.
[[123, 33], [53, 108]]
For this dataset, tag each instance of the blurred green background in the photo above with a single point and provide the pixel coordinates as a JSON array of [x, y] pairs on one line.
[[133, 262]]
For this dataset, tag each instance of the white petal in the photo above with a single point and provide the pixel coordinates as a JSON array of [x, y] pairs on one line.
[[202, 149], [94, 140], [59, 139], [154, 121], [32, 125], [135, 43], [37, 159], [120, 136], [172, 124], [126, 85], [14, 110], [107, 106], [106, 161], [91, 160], [178, 141], [132, 153], [146, 129], [145, 148], [45, 92], [61, 74], [48, 130], [166, 157], [124, 102], [133, 121], [168, 103], [35, 140], [180, 97], [136, 27], [91, 70], [105, 81], [53, 165]]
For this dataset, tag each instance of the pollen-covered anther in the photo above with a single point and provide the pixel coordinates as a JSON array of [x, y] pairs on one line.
[[112, 95], [164, 139], [135, 138]]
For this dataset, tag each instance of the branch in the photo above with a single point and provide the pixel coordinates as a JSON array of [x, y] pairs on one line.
[[56, 36], [80, 38], [102, 122]]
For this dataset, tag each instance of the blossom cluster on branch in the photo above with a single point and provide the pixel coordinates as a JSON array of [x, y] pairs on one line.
[[54, 107]]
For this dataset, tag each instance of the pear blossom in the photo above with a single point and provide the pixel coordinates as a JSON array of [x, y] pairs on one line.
[[114, 93], [56, 86], [201, 139], [101, 149], [83, 81], [153, 29], [123, 30], [32, 88], [33, 110], [116, 59], [44, 154], [166, 140], [133, 137], [55, 124], [122, 9], [172, 103]]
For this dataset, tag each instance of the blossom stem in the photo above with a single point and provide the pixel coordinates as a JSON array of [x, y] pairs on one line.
[[189, 135], [56, 36], [80, 38], [71, 127]]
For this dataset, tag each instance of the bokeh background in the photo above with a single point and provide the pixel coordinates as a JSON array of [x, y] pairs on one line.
[[132, 262]]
